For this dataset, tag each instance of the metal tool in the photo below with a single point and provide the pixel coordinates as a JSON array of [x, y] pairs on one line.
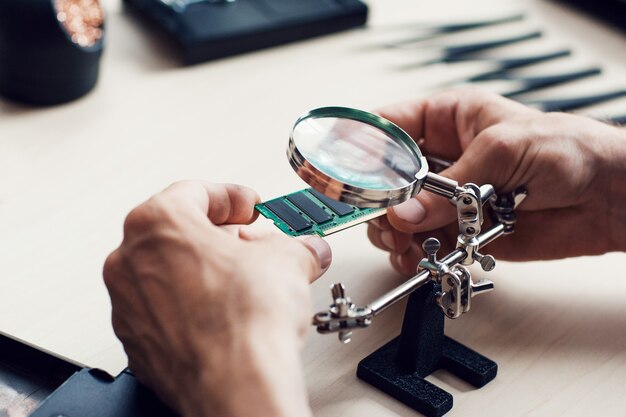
[[495, 67], [427, 32], [450, 271], [365, 160], [572, 103], [450, 53], [509, 84]]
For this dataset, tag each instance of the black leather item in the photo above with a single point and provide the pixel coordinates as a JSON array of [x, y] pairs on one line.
[[205, 30]]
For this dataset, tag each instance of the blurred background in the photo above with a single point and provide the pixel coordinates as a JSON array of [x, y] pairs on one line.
[[157, 94]]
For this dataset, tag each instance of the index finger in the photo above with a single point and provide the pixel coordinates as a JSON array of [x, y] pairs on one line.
[[446, 123], [221, 203]]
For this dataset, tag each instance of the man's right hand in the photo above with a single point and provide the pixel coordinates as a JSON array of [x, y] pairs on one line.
[[212, 317], [574, 169]]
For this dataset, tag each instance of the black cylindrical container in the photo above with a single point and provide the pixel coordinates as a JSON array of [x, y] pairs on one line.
[[46, 55]]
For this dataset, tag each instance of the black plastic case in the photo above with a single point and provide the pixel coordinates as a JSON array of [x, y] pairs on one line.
[[54, 387], [211, 29]]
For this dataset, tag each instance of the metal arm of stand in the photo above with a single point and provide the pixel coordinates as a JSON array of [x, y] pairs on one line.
[[458, 287], [455, 257]]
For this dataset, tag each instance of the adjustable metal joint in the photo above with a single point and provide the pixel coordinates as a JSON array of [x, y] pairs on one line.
[[469, 205], [457, 287], [342, 315], [503, 208], [469, 211]]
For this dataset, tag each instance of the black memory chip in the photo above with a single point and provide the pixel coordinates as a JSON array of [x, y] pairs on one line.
[[315, 212], [338, 207], [288, 215]]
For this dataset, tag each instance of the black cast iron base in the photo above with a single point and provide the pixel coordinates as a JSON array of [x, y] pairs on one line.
[[399, 367]]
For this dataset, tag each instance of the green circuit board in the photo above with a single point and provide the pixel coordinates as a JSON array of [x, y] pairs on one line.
[[308, 212]]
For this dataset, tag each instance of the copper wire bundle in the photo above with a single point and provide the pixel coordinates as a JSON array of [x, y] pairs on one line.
[[82, 19]]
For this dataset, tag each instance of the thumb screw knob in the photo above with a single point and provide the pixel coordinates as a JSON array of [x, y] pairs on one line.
[[338, 290], [431, 246], [488, 262]]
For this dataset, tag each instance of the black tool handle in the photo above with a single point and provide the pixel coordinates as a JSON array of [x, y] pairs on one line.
[[539, 82], [504, 64], [458, 27], [458, 50], [573, 103], [446, 29]]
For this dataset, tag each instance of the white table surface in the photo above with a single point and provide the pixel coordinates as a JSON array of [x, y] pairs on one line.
[[71, 173]]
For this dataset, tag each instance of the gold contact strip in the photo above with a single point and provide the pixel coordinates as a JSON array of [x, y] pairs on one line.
[[358, 220]]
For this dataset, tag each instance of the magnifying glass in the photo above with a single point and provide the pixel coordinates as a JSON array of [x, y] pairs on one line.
[[360, 158]]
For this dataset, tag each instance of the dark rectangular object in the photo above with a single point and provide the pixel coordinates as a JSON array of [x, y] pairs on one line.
[[611, 11], [47, 386], [338, 207], [323, 221], [28, 376], [288, 215], [315, 212], [94, 393], [206, 30], [400, 366]]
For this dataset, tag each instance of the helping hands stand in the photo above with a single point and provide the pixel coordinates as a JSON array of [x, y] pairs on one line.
[[440, 288]]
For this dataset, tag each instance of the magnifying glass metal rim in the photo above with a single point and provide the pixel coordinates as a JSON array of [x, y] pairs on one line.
[[350, 194]]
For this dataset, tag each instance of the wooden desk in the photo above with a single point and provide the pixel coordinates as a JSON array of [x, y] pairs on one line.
[[71, 173]]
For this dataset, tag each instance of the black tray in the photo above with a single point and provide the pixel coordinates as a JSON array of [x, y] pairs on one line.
[[213, 29], [37, 384]]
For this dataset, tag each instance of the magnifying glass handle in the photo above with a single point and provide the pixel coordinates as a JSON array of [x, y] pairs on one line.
[[441, 185]]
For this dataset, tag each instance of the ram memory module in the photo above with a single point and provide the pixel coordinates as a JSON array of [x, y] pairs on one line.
[[308, 212]]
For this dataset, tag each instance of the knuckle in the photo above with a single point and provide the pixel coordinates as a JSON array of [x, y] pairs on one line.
[[499, 144], [110, 268], [248, 193], [140, 218], [147, 215]]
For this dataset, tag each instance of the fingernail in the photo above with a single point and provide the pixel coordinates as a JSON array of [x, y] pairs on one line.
[[386, 237], [321, 248], [411, 211]]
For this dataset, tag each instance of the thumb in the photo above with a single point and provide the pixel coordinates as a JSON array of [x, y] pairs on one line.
[[312, 245], [306, 257], [320, 250], [483, 162]]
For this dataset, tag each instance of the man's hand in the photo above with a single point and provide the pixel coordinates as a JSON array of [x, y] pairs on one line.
[[574, 170], [211, 316]]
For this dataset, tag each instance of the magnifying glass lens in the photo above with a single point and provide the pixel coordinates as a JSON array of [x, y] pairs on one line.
[[356, 153]]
